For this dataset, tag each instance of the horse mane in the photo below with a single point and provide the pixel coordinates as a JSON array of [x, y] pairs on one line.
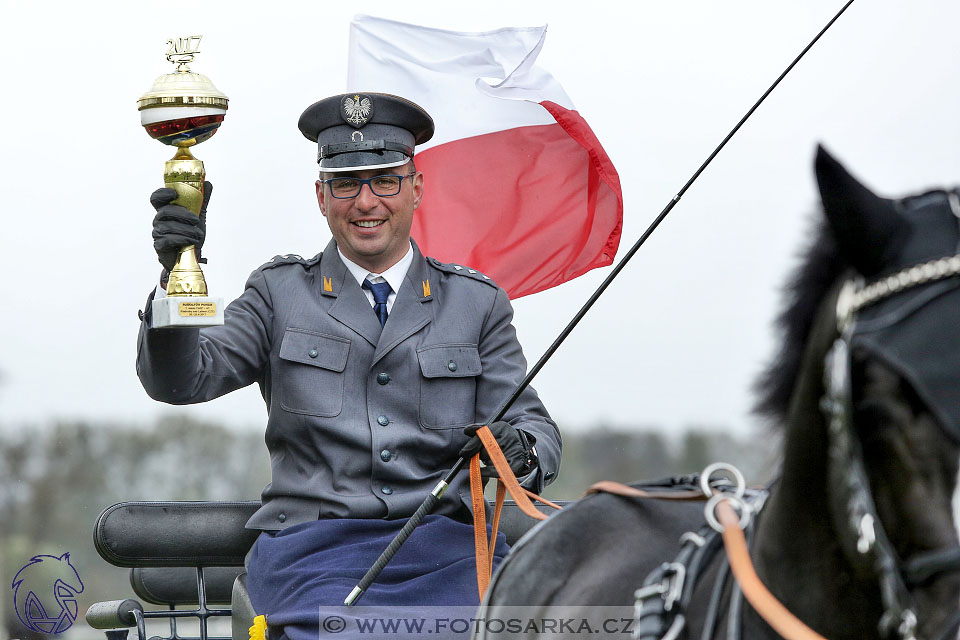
[[820, 265]]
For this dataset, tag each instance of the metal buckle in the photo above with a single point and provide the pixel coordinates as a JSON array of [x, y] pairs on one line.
[[670, 587], [903, 626], [674, 575], [908, 625]]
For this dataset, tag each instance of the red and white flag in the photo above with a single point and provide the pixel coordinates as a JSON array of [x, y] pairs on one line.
[[517, 185]]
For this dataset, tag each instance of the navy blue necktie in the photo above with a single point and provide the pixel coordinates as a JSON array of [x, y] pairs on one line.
[[381, 291]]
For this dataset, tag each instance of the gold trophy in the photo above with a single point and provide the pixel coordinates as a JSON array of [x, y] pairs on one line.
[[183, 109]]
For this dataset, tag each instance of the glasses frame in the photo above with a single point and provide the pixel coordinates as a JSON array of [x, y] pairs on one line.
[[368, 182]]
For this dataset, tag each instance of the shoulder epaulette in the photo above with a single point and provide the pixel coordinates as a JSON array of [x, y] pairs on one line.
[[462, 271], [290, 258]]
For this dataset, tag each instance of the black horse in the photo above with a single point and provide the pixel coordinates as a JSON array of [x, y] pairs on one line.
[[858, 536]]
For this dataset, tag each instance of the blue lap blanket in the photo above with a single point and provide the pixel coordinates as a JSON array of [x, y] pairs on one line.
[[292, 573]]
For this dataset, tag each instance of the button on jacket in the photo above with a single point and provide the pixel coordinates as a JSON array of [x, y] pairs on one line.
[[362, 421]]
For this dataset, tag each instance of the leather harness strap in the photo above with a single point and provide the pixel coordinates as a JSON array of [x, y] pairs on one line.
[[479, 526], [619, 489], [756, 593], [497, 510], [506, 481]]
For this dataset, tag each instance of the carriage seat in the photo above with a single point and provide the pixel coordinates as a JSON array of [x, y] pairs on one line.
[[164, 543]]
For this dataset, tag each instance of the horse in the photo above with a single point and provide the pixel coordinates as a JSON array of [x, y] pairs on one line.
[[858, 534]]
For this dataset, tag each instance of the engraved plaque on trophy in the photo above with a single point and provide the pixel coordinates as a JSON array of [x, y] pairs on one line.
[[183, 109]]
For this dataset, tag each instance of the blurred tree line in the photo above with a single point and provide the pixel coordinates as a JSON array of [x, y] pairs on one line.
[[55, 480]]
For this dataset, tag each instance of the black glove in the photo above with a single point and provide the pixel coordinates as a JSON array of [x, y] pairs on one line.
[[175, 227], [517, 447]]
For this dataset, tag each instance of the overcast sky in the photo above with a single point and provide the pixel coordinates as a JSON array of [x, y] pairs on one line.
[[675, 342]]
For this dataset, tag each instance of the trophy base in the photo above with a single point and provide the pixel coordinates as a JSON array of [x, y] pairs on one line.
[[187, 311]]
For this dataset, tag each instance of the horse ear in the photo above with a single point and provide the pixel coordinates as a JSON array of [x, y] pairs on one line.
[[868, 228]]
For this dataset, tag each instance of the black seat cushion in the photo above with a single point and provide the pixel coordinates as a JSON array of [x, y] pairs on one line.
[[175, 534]]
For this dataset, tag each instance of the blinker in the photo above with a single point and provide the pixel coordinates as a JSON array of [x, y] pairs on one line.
[[916, 337]]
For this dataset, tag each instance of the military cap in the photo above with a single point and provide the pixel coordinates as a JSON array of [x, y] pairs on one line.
[[357, 131]]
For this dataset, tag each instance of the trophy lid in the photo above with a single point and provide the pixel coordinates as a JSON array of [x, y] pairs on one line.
[[183, 88]]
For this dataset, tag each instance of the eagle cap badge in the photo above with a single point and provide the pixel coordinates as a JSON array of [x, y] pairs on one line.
[[356, 109]]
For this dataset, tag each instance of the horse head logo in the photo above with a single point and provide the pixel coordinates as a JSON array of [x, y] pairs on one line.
[[45, 593]]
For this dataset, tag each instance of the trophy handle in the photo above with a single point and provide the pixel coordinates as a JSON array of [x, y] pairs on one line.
[[185, 174]]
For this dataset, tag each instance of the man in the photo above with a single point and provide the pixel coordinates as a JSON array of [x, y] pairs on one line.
[[374, 362]]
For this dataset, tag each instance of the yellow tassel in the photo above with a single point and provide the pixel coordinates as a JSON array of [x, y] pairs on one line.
[[259, 629]]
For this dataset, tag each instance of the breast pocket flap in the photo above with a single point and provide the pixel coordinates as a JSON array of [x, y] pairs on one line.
[[449, 361], [315, 349]]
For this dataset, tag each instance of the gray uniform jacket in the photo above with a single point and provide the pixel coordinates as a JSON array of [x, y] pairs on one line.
[[363, 421]]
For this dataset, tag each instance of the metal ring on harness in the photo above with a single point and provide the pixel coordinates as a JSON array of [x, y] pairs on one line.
[[709, 510], [706, 474]]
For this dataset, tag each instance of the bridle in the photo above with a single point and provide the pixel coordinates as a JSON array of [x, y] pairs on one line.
[[666, 592], [862, 535]]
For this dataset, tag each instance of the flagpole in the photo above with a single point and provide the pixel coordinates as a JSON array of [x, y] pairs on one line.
[[434, 497]]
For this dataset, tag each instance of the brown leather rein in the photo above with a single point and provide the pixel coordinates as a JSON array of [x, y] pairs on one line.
[[506, 482]]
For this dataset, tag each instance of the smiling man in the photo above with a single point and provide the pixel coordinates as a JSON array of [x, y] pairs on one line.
[[372, 225], [375, 363]]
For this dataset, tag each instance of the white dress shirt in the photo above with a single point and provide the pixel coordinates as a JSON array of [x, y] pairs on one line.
[[394, 276]]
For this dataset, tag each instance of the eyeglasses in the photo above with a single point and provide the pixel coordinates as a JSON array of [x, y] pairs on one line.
[[346, 188]]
